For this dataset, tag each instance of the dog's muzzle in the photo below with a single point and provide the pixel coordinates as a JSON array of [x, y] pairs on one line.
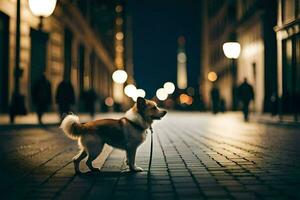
[[161, 115]]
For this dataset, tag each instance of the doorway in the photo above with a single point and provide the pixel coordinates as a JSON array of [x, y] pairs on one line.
[[4, 65], [38, 56]]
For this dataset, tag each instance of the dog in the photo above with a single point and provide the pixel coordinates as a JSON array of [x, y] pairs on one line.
[[126, 133]]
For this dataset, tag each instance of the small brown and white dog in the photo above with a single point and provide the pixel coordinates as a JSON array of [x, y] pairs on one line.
[[126, 133]]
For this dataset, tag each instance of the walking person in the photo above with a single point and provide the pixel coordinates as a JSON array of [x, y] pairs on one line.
[[90, 98], [65, 97], [246, 94], [215, 98], [41, 96]]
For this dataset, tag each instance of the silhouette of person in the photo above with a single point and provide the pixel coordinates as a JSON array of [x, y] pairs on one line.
[[65, 97], [90, 98], [246, 94], [41, 96], [215, 97], [222, 105]]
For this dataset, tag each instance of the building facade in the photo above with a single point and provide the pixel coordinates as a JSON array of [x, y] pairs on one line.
[[288, 61], [250, 23], [219, 27], [68, 46]]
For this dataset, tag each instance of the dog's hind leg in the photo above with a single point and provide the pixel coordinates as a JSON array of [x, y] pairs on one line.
[[92, 155], [76, 160]]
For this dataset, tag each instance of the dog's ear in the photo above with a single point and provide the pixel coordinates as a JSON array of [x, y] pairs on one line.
[[141, 103]]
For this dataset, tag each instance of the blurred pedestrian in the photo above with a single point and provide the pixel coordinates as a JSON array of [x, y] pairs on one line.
[[41, 96], [274, 104], [246, 94], [222, 105], [89, 99], [65, 97], [215, 98]]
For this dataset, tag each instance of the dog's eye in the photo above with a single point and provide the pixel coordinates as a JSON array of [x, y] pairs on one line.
[[153, 108]]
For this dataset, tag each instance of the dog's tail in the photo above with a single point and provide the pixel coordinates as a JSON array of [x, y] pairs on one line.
[[72, 127]]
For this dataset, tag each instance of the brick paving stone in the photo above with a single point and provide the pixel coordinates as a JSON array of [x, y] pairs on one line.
[[196, 156]]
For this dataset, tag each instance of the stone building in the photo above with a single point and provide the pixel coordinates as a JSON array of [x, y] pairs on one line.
[[288, 60], [249, 22], [76, 42]]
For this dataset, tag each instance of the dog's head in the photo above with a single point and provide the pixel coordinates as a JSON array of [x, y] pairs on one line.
[[148, 109]]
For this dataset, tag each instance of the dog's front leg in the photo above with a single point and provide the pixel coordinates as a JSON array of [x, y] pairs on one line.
[[131, 160]]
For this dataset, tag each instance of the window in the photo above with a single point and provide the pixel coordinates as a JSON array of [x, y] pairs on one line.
[[288, 10]]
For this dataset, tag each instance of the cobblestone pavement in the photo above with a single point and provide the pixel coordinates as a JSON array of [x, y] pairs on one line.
[[196, 156]]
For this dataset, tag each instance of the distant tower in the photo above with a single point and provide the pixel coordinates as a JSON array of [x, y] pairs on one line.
[[181, 64]]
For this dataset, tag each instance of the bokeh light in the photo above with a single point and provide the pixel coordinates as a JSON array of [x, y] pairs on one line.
[[109, 101], [181, 57], [130, 90], [161, 94], [169, 87], [119, 76], [119, 36], [212, 76], [141, 93], [119, 8], [185, 99]]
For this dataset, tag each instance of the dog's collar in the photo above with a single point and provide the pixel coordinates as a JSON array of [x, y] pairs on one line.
[[136, 126], [136, 119]]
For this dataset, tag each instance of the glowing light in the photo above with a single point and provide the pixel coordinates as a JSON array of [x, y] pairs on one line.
[[119, 21], [119, 8], [138, 93], [119, 36], [161, 94], [169, 87], [119, 62], [181, 57], [185, 99], [119, 76], [141, 93], [119, 48], [212, 76], [109, 101], [232, 49], [42, 8], [130, 90]]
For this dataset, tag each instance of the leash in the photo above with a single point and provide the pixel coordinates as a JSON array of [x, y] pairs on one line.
[[149, 167], [151, 150]]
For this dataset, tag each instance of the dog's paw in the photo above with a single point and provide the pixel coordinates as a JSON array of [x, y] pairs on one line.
[[136, 169]]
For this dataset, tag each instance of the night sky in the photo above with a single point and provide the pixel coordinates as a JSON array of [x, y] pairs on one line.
[[156, 27]]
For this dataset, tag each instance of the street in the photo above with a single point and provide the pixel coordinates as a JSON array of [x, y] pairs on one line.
[[196, 156]]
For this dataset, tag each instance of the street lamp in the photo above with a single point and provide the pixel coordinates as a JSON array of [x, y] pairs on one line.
[[42, 8], [232, 51]]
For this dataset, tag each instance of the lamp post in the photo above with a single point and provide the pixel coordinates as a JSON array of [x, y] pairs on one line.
[[17, 106], [232, 51], [39, 8], [42, 9]]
